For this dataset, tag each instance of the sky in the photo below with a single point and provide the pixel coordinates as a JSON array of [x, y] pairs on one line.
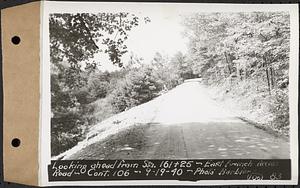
[[163, 34]]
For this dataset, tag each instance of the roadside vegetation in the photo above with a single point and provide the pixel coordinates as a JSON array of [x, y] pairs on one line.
[[241, 57], [83, 95]]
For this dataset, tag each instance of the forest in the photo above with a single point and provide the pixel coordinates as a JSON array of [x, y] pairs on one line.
[[246, 57], [243, 57]]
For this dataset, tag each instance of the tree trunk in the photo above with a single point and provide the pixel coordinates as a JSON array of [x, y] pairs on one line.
[[267, 74], [228, 64], [238, 72], [268, 80], [272, 77], [257, 82]]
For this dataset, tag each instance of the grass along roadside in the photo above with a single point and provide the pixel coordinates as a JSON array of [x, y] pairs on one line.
[[253, 105]]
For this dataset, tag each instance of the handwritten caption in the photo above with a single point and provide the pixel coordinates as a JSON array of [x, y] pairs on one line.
[[188, 170]]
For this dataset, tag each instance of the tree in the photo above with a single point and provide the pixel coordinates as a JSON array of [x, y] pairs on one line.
[[139, 86], [182, 66], [74, 39], [98, 85], [227, 45], [245, 52]]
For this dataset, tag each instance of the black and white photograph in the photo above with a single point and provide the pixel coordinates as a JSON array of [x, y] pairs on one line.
[[164, 84]]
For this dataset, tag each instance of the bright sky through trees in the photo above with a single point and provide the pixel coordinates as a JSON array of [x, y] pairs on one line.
[[163, 34]]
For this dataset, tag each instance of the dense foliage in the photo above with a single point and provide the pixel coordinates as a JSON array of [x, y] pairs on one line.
[[247, 52], [74, 39], [138, 86]]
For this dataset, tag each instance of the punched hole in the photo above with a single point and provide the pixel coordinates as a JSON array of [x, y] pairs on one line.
[[16, 40], [16, 142]]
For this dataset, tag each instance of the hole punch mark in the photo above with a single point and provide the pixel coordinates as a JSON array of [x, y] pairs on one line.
[[16, 40], [16, 142]]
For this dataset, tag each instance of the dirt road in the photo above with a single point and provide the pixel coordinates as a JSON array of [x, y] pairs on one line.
[[188, 124]]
